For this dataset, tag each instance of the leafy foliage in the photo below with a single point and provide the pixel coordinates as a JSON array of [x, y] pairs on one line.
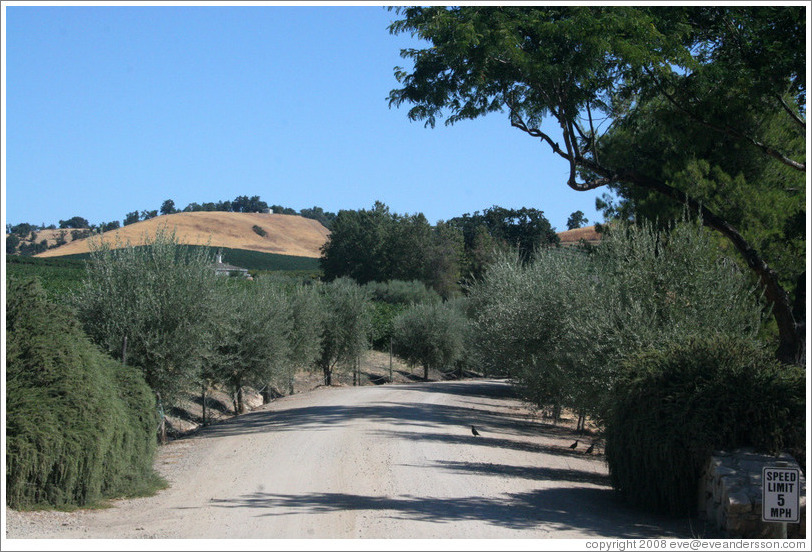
[[253, 344], [75, 222], [158, 297], [399, 292], [524, 229], [576, 220], [628, 86], [252, 260], [430, 334], [59, 276], [80, 427], [561, 324], [672, 406], [377, 246], [345, 325], [389, 299], [12, 241]]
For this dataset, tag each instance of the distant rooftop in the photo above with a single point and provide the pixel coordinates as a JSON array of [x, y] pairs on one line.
[[225, 269]]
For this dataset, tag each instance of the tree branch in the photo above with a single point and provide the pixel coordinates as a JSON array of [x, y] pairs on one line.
[[728, 130], [795, 117]]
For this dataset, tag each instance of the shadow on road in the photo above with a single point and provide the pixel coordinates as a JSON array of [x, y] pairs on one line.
[[589, 510], [488, 389], [464, 437], [524, 472], [456, 418]]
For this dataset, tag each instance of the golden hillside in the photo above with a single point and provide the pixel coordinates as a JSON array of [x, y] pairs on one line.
[[573, 237], [286, 234]]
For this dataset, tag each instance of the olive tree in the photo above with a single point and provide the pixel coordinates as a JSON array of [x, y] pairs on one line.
[[430, 334], [306, 331], [345, 325], [563, 323], [253, 345], [151, 307]]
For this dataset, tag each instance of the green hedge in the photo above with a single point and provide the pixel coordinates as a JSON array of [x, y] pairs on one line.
[[672, 407], [79, 426]]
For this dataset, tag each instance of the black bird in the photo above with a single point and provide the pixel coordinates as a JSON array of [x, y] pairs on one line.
[[575, 444], [590, 449], [474, 431]]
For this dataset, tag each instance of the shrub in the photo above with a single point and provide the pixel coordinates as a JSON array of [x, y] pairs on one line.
[[80, 427], [672, 406], [399, 292], [259, 230]]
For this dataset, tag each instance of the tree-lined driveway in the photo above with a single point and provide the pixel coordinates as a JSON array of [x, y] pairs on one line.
[[394, 461]]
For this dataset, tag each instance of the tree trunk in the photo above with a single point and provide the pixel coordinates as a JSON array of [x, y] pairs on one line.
[[556, 414], [328, 375], [426, 372], [240, 401], [162, 422], [203, 401]]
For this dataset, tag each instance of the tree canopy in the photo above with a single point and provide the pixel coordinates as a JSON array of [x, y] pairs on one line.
[[75, 222], [376, 245], [576, 220], [720, 72]]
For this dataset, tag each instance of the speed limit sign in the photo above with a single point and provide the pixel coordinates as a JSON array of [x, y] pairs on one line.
[[780, 493]]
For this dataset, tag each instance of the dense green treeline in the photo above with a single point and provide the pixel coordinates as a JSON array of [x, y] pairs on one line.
[[377, 245]]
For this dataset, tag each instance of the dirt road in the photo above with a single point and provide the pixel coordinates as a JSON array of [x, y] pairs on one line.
[[394, 461]]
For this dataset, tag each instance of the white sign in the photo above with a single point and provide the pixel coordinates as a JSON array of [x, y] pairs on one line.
[[780, 492]]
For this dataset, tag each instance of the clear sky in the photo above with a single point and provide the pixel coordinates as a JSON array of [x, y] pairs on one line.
[[112, 109]]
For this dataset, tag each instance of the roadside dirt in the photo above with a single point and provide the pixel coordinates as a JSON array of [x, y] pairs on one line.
[[395, 461]]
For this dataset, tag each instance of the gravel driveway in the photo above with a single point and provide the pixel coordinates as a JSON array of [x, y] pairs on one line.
[[387, 462]]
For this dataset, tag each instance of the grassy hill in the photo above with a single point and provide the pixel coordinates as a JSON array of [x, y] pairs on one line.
[[574, 237], [287, 235]]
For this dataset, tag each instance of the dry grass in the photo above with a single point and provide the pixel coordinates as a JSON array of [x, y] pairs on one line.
[[285, 234], [573, 237]]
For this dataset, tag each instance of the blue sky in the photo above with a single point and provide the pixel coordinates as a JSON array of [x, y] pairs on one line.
[[112, 109]]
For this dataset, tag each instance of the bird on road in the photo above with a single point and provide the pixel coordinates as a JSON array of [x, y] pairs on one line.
[[575, 444], [590, 449], [474, 431]]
